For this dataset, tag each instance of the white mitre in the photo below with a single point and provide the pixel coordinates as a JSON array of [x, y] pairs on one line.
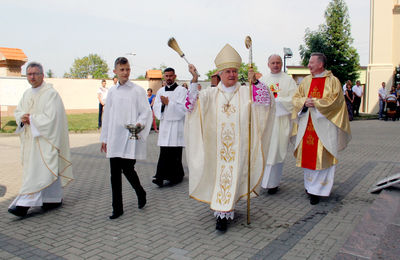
[[227, 58]]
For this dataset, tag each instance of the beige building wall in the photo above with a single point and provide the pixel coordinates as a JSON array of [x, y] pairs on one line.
[[384, 52], [78, 95]]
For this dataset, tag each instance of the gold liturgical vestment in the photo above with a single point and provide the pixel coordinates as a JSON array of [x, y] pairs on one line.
[[217, 143], [324, 130]]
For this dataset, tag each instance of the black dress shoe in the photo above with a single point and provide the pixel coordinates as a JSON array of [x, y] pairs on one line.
[[314, 199], [19, 211], [142, 200], [273, 190], [116, 215], [160, 183], [174, 182], [222, 224], [49, 206]]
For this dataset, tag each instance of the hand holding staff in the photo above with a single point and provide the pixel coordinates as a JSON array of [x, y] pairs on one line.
[[172, 43]]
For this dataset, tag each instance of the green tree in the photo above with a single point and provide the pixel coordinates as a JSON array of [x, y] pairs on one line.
[[334, 39], [92, 65], [50, 73], [243, 71], [141, 77], [315, 41], [162, 67]]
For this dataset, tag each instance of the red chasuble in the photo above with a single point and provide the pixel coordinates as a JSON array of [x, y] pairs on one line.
[[310, 138]]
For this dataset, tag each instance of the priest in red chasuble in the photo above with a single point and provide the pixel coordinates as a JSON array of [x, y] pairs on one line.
[[322, 127]]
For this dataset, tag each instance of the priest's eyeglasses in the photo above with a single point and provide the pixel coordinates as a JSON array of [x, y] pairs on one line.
[[33, 74]]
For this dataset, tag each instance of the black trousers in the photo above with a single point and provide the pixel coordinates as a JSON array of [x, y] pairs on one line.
[[356, 105], [127, 167], [169, 166], [100, 114]]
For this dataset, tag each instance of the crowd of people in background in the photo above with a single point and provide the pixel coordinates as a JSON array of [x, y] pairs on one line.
[[353, 96]]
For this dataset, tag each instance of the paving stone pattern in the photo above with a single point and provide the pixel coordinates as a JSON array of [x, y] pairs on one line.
[[173, 226]]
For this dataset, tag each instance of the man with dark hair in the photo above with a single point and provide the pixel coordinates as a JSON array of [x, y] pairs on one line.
[[322, 127], [215, 79], [43, 128], [382, 100], [358, 91], [126, 104], [115, 80], [169, 108], [102, 96]]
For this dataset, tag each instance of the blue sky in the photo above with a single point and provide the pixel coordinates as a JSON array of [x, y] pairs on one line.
[[56, 32]]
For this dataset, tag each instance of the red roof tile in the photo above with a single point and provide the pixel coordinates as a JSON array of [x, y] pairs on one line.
[[154, 74], [12, 54]]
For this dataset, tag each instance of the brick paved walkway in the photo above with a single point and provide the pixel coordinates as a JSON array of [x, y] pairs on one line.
[[172, 226]]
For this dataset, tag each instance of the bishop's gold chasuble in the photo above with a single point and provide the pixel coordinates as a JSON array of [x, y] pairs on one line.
[[217, 143]]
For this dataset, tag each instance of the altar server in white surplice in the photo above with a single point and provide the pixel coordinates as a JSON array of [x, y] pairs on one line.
[[43, 130], [169, 108], [283, 87], [217, 137], [127, 104]]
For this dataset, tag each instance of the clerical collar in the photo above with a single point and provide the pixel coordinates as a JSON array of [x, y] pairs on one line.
[[321, 75], [171, 87], [37, 89], [228, 89]]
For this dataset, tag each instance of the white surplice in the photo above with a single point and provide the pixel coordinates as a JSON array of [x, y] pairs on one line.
[[285, 87], [126, 104], [172, 119], [45, 150]]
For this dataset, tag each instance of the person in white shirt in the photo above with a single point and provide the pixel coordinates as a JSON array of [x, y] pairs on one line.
[[102, 96], [43, 129], [358, 93], [169, 108], [126, 104], [382, 100]]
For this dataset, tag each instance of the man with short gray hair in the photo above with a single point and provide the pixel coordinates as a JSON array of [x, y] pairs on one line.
[[283, 87], [43, 129]]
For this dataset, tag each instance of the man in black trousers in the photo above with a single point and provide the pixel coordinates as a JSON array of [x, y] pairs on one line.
[[169, 108], [127, 104]]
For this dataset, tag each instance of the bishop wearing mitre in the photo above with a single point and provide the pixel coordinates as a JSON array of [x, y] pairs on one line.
[[217, 137]]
